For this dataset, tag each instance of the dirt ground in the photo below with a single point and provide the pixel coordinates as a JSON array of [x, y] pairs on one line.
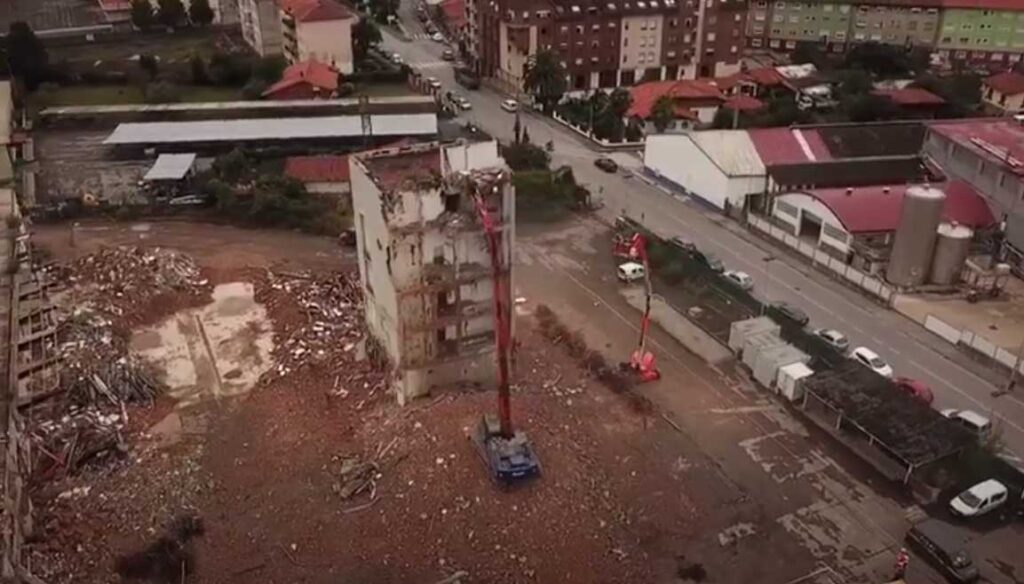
[[262, 469]]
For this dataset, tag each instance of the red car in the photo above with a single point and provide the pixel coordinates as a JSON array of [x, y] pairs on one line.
[[915, 388]]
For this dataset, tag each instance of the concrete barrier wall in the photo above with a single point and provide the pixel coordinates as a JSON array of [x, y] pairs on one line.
[[824, 261], [974, 341]]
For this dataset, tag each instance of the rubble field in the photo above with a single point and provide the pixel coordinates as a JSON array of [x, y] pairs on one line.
[[312, 472]]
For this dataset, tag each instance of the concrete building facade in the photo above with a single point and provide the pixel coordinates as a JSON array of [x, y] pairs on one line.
[[424, 263], [608, 44], [260, 21], [319, 30]]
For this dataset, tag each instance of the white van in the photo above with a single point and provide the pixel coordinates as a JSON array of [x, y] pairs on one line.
[[979, 499], [974, 422], [630, 271]]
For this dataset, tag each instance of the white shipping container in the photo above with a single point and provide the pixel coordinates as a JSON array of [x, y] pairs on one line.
[[741, 330], [754, 344], [766, 368], [789, 381]]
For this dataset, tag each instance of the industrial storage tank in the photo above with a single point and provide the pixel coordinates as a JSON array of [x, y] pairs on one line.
[[952, 245], [915, 236]]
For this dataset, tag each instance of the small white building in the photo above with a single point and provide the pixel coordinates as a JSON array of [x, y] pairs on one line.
[[424, 262], [720, 167]]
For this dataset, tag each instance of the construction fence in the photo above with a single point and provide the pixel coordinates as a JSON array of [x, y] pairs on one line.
[[974, 341], [822, 260]]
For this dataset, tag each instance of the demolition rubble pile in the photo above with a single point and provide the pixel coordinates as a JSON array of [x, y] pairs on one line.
[[84, 418], [317, 319]]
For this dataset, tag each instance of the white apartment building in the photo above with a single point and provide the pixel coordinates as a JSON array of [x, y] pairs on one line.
[[261, 25], [317, 29], [424, 262]]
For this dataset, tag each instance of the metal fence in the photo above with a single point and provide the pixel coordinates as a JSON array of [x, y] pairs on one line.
[[821, 259], [973, 341]]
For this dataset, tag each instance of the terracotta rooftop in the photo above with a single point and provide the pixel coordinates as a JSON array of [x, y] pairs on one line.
[[684, 92], [319, 75], [910, 96], [789, 145], [743, 103], [324, 168], [1007, 83], [315, 10], [878, 208], [389, 168], [999, 140]]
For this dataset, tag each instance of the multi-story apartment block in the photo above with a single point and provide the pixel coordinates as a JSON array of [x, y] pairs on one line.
[[319, 30], [424, 260], [979, 31], [609, 43], [260, 21], [982, 31], [301, 30]]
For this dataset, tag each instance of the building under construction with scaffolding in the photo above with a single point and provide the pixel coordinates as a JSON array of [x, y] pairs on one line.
[[424, 262]]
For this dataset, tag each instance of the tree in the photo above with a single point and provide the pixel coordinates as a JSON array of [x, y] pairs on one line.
[[26, 55], [962, 92], [517, 131], [365, 36], [270, 68], [162, 92], [170, 13], [545, 79], [619, 102], [525, 139], [880, 59], [142, 14], [150, 65], [230, 69], [854, 82], [198, 66], [663, 113], [200, 13], [869, 108], [232, 167], [525, 157]]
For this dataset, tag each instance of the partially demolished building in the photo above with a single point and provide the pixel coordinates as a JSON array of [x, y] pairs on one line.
[[423, 258]]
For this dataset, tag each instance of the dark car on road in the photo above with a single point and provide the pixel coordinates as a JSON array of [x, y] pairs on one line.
[[792, 313], [448, 55], [709, 260], [683, 245], [943, 546], [606, 164]]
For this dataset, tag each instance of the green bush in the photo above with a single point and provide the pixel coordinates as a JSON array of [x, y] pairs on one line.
[[162, 92], [525, 157]]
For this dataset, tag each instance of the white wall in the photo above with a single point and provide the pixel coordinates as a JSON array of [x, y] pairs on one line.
[[677, 158], [806, 203], [328, 41]]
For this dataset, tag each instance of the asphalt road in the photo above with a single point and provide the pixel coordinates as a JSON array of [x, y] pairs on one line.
[[912, 351]]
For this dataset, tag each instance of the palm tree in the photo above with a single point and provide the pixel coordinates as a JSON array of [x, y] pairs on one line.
[[545, 79]]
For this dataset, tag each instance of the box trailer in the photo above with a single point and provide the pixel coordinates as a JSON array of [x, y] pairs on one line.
[[766, 368], [754, 344], [790, 380], [741, 330]]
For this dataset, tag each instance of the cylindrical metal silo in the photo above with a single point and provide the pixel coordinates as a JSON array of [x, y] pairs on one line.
[[952, 245], [915, 236]]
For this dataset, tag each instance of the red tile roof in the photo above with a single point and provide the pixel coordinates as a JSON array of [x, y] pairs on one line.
[[729, 81], [910, 96], [315, 10], [115, 5], [318, 75], [766, 76], [454, 12], [789, 145], [1007, 83], [872, 209], [325, 168], [999, 140], [694, 91], [743, 103]]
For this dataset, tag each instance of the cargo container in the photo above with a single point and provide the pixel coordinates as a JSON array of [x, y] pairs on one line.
[[741, 330], [789, 381], [754, 344], [766, 368]]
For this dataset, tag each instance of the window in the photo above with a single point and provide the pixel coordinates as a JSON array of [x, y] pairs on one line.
[[579, 29], [774, 43], [653, 25], [643, 25], [611, 25], [733, 49], [756, 43], [780, 5], [595, 28], [757, 30], [794, 19], [827, 8], [844, 9], [711, 37], [778, 18], [564, 30], [790, 44], [671, 54], [673, 22], [738, 17], [760, 16]]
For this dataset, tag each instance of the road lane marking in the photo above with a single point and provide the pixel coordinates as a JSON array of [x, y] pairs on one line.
[[970, 398]]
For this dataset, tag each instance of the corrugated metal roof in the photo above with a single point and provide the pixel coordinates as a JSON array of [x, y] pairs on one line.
[[272, 129], [233, 105], [730, 150], [171, 166]]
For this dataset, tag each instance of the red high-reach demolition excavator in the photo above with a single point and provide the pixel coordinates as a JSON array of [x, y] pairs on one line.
[[641, 362]]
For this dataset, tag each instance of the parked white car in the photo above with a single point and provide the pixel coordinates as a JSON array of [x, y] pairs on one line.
[[397, 59], [437, 37], [979, 499], [834, 338], [872, 361], [509, 105], [741, 279], [630, 271], [434, 82], [971, 420]]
